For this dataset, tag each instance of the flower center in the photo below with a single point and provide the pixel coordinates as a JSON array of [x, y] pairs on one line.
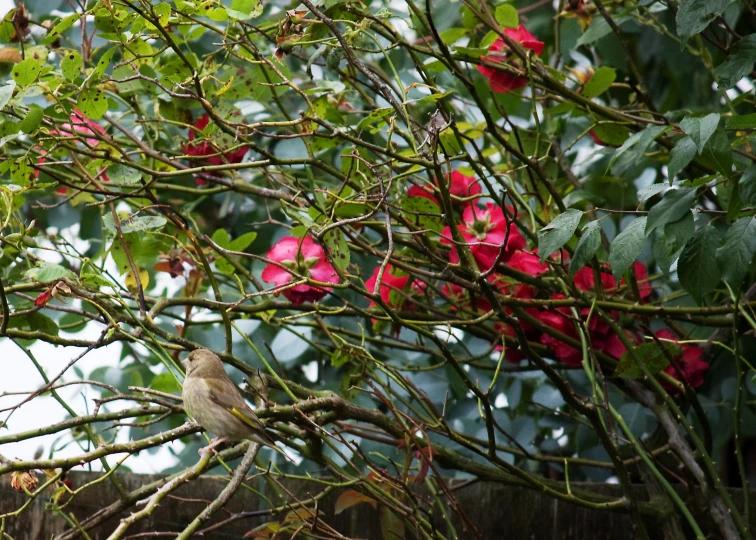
[[481, 227], [300, 264]]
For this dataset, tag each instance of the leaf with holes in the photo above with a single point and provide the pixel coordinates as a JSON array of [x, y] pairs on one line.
[[338, 248], [93, 103], [26, 71]]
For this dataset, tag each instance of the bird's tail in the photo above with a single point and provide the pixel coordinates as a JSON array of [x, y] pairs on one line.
[[266, 439]]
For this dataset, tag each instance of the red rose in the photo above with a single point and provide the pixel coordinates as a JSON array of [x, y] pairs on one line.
[[527, 263], [585, 280], [559, 320], [599, 142], [498, 52], [212, 153], [641, 276], [691, 362], [79, 125], [392, 282], [424, 191], [304, 257], [460, 187], [485, 232], [43, 298]]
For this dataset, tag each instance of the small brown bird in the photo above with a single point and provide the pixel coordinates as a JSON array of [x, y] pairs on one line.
[[214, 401]]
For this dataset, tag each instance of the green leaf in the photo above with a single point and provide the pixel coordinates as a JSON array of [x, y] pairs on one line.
[[42, 323], [650, 354], [452, 35], [668, 242], [743, 121], [649, 191], [695, 15], [26, 71], [717, 154], [738, 64], [133, 223], [242, 242], [735, 204], [374, 116], [103, 63], [598, 29], [587, 247], [700, 129], [163, 11], [556, 234], [611, 134], [696, 269], [123, 174], [48, 272], [245, 9], [627, 246], [6, 93], [337, 245], [681, 156], [32, 119], [673, 206], [634, 147], [222, 238], [748, 185], [164, 382], [506, 16], [61, 27], [600, 82], [22, 171], [738, 251], [423, 212], [339, 358], [93, 103]]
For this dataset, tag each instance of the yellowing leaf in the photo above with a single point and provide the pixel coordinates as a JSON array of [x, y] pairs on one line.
[[10, 55], [350, 498], [131, 283]]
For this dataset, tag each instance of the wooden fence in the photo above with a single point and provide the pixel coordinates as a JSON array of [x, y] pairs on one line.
[[498, 512]]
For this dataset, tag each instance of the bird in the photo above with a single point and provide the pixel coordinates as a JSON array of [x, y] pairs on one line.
[[214, 401]]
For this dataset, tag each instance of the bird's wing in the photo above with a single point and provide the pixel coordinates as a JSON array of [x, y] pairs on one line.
[[225, 394]]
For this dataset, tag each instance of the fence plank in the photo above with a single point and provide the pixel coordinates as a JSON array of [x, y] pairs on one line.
[[497, 511]]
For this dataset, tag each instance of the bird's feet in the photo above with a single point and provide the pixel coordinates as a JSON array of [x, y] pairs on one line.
[[211, 447]]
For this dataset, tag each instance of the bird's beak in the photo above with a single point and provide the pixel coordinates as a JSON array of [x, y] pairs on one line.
[[185, 363]]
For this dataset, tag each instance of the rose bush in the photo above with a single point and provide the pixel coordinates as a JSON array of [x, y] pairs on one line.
[[510, 242]]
